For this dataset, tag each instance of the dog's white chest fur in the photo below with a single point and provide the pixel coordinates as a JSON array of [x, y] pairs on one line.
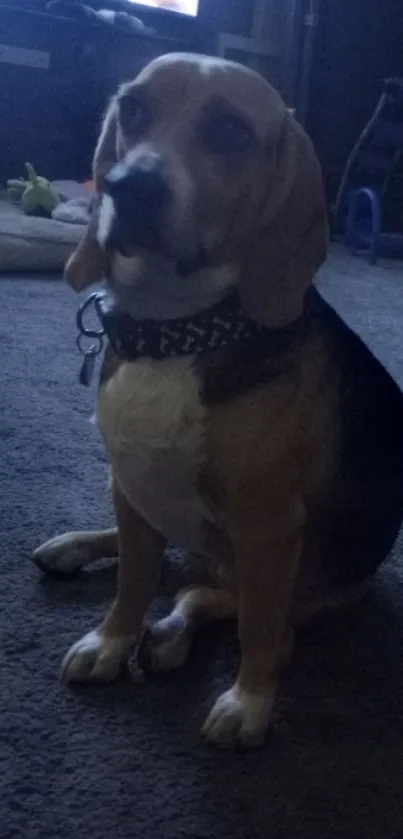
[[152, 423]]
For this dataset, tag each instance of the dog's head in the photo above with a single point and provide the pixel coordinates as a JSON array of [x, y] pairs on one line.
[[207, 181]]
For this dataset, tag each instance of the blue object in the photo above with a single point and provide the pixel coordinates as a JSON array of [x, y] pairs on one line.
[[362, 198], [363, 232]]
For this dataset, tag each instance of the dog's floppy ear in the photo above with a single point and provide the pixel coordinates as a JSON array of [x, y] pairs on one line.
[[88, 263], [107, 150], [290, 240]]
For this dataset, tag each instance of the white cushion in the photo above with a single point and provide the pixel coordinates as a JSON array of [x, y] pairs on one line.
[[30, 243]]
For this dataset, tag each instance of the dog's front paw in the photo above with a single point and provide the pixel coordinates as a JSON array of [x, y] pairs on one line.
[[63, 554], [238, 718], [95, 658]]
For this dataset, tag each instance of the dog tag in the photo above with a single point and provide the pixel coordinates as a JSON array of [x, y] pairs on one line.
[[87, 367]]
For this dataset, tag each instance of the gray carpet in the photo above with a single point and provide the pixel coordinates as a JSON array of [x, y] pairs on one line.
[[127, 761]]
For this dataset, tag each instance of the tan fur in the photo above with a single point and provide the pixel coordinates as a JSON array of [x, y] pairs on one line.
[[290, 240], [88, 263], [156, 462], [234, 480], [270, 217]]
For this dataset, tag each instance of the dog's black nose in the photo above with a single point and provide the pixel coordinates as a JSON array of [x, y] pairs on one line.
[[139, 192]]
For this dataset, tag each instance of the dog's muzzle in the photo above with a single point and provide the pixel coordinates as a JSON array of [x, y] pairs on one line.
[[141, 198]]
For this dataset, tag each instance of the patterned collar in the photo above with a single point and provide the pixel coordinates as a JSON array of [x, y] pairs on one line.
[[220, 326]]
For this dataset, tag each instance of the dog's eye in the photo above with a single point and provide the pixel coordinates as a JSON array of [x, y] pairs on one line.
[[134, 116], [226, 134]]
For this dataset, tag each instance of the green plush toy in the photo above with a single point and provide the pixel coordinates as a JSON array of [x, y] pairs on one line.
[[36, 195]]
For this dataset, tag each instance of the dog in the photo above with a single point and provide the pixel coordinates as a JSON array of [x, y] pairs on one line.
[[244, 421]]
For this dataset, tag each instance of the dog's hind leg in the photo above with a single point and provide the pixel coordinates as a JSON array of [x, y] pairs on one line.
[[166, 644], [67, 553]]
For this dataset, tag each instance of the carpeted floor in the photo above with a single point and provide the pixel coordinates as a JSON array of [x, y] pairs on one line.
[[126, 761]]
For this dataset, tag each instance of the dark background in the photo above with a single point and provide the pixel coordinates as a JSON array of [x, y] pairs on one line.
[[358, 44], [52, 117]]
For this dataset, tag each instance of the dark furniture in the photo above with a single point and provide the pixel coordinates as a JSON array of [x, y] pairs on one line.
[[57, 75]]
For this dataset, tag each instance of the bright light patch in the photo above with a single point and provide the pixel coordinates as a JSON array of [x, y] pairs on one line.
[[184, 7]]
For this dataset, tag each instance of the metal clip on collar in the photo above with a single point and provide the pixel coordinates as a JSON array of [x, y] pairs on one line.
[[87, 368]]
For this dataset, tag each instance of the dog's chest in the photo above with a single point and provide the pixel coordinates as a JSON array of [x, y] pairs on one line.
[[152, 422]]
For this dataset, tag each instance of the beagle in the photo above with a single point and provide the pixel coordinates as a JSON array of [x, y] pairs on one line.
[[242, 418]]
